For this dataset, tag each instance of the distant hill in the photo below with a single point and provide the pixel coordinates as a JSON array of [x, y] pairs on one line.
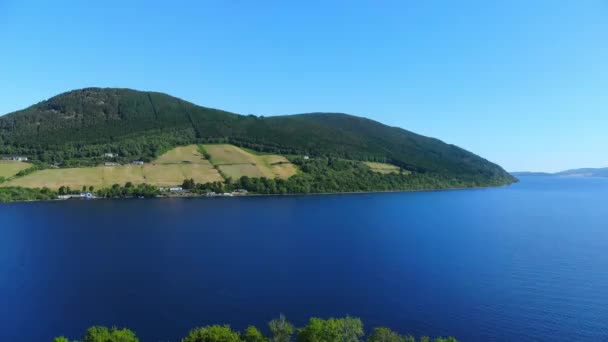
[[81, 125], [584, 172], [529, 174]]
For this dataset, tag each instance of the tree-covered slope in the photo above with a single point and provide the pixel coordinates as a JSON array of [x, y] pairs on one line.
[[82, 124]]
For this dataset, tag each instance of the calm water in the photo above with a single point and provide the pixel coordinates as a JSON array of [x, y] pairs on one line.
[[522, 263]]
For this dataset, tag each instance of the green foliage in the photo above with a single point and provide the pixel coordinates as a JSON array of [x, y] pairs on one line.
[[129, 190], [332, 330], [212, 333], [30, 169], [382, 334], [11, 194], [103, 334], [204, 152], [331, 175], [188, 184], [281, 329], [347, 329], [78, 127], [252, 334]]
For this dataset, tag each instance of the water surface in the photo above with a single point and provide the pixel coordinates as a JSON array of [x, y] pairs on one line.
[[525, 262]]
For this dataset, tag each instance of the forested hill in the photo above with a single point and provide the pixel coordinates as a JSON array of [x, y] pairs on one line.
[[83, 124]]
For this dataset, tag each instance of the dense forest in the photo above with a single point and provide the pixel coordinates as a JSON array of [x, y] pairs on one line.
[[78, 127], [347, 329]]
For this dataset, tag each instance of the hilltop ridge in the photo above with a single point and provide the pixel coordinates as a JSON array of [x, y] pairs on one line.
[[77, 127]]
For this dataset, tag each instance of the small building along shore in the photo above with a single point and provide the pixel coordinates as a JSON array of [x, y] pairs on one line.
[[82, 195]]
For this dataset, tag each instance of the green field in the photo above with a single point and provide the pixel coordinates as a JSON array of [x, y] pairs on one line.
[[182, 155], [10, 168], [236, 162], [169, 169], [54, 178], [383, 167]]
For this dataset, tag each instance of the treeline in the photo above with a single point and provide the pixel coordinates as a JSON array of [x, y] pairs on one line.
[[333, 175], [348, 329], [12, 194], [129, 190]]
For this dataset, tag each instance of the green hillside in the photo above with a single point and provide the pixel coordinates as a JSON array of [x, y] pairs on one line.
[[77, 127]]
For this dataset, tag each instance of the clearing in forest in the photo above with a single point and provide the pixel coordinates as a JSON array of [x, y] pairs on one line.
[[236, 162], [383, 167]]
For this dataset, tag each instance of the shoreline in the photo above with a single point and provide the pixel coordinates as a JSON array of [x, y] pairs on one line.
[[191, 195]]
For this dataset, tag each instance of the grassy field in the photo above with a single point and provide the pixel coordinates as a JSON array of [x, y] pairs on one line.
[[10, 168], [224, 154], [236, 162], [169, 169], [383, 168], [182, 155], [181, 163], [54, 178]]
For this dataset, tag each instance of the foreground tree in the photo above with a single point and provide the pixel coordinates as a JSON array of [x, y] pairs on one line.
[[103, 334], [212, 333], [60, 339], [252, 334], [332, 330], [383, 334], [281, 329]]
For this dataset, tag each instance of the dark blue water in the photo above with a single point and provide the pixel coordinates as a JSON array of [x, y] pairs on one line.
[[521, 263]]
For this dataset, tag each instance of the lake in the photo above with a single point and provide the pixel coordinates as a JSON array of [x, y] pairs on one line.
[[519, 263]]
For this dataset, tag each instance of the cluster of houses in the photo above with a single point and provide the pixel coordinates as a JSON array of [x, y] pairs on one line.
[[82, 195], [172, 189], [136, 162], [179, 189], [111, 155], [237, 192], [15, 158]]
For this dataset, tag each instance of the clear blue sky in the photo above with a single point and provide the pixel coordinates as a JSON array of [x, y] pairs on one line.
[[522, 83]]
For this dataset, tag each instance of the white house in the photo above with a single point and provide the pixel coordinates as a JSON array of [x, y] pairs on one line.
[[110, 155], [138, 162], [176, 189], [15, 158]]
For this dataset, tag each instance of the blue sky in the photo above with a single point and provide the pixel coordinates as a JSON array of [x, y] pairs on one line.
[[522, 83]]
